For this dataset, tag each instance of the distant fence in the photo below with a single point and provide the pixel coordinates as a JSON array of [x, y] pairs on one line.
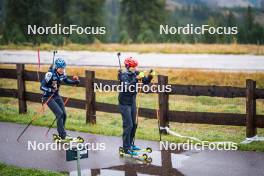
[[251, 120]]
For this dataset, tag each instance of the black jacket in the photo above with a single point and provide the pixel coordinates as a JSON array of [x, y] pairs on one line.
[[127, 79], [51, 82]]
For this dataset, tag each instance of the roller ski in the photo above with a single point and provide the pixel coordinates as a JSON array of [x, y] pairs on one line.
[[68, 139], [135, 155], [141, 150]]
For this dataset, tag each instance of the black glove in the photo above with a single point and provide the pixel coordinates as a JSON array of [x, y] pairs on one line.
[[152, 73], [77, 81]]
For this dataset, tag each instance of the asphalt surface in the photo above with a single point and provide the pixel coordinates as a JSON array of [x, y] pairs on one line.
[[108, 162], [193, 61]]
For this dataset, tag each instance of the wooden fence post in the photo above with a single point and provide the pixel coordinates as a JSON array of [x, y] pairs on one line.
[[21, 88], [163, 103], [166, 162], [90, 97], [251, 129]]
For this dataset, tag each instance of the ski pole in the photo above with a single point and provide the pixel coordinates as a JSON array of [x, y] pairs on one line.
[[34, 118], [38, 65], [137, 104], [50, 127], [54, 53], [140, 90], [118, 55], [38, 69]]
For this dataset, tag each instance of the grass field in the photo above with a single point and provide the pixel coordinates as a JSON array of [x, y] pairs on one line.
[[8, 170], [110, 124], [146, 48]]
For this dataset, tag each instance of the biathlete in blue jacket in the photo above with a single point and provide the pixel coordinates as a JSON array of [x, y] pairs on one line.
[[50, 86], [127, 102]]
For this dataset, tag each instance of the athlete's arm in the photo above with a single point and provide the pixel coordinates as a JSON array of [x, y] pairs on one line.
[[145, 79], [70, 81]]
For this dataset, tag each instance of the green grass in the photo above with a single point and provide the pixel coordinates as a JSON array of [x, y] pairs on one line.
[[111, 125], [8, 170]]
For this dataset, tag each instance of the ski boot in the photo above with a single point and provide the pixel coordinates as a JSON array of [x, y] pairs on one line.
[[138, 149], [135, 155], [67, 139]]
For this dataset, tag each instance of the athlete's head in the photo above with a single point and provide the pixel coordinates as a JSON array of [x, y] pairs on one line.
[[131, 63], [60, 65]]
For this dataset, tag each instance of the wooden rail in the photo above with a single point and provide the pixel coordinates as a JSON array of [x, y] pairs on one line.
[[250, 119]]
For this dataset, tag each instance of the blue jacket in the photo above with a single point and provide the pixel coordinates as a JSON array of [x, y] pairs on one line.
[[51, 82], [128, 78]]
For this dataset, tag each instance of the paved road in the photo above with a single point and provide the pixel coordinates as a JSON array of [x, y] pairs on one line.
[[108, 162], [196, 61]]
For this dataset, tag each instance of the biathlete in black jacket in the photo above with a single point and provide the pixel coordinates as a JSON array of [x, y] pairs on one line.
[[127, 102], [50, 86]]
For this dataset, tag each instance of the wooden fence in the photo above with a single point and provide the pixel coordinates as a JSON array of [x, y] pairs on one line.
[[251, 120]]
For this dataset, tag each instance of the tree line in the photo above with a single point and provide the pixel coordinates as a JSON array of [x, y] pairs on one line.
[[126, 21]]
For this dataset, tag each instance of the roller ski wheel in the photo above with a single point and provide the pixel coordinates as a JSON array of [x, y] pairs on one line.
[[80, 139], [149, 160], [149, 150], [56, 138], [121, 151], [146, 158]]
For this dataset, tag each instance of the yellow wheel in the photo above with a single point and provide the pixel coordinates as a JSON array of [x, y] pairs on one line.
[[149, 150], [81, 140], [145, 156], [121, 149], [149, 160]]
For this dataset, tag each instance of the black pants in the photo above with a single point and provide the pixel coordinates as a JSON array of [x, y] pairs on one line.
[[128, 113], [56, 105]]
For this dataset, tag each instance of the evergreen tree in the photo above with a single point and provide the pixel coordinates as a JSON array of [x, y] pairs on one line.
[[143, 15], [20, 14], [231, 22], [86, 13], [111, 13], [2, 16], [249, 18]]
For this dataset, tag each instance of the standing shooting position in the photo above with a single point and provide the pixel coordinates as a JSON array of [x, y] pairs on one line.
[[50, 86], [127, 102]]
